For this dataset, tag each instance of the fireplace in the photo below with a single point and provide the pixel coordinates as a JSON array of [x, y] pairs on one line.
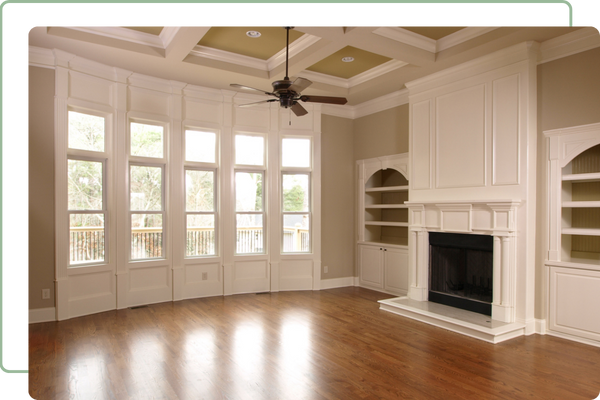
[[461, 271]]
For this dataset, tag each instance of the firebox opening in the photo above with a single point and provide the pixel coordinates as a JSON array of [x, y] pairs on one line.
[[461, 271]]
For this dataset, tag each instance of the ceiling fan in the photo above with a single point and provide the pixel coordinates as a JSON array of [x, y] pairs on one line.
[[288, 93]]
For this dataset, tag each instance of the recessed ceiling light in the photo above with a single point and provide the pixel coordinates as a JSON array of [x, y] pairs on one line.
[[253, 34], [348, 59]]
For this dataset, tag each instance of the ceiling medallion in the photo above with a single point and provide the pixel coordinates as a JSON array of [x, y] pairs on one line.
[[348, 59], [253, 34]]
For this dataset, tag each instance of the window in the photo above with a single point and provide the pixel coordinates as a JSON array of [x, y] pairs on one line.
[[296, 195], [249, 212], [86, 183], [200, 146], [146, 190], [250, 217], [200, 212], [201, 219], [86, 132]]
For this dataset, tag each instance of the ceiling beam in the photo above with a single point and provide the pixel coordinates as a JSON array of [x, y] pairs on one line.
[[181, 43]]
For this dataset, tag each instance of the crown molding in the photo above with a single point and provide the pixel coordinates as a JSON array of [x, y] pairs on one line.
[[41, 57], [571, 43], [114, 31], [355, 80], [167, 35], [302, 43], [382, 103]]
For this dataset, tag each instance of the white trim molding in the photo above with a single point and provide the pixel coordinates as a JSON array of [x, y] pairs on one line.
[[37, 315]]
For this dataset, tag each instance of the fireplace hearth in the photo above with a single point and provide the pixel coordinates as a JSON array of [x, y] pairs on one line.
[[461, 271]]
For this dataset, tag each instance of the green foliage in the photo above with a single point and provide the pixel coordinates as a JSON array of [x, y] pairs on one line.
[[293, 199]]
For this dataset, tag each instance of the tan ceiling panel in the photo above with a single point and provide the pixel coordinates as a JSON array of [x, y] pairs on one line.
[[434, 33], [334, 66], [235, 40], [153, 30]]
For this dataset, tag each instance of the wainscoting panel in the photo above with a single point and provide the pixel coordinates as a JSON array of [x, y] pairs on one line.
[[202, 280], [295, 275], [251, 276], [149, 284], [90, 293]]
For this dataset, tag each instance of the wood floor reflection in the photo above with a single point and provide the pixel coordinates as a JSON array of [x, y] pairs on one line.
[[331, 344]]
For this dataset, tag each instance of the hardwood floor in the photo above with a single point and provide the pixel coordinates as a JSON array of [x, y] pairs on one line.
[[331, 344]]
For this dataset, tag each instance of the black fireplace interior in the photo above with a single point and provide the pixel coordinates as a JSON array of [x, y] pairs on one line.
[[461, 271]]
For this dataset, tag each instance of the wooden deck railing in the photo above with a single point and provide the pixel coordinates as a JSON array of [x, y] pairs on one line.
[[87, 243]]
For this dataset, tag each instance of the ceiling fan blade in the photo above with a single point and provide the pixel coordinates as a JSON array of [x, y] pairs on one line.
[[258, 102], [236, 85], [299, 110], [299, 85], [324, 99]]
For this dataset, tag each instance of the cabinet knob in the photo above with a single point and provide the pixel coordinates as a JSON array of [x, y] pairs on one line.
[[384, 249], [380, 248]]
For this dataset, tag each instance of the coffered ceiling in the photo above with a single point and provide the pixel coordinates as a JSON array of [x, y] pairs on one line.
[[384, 58]]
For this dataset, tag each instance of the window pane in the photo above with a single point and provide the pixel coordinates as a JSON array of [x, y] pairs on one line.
[[146, 140], [249, 150], [200, 146], [86, 237], [85, 185], [248, 191], [86, 132], [146, 236], [295, 153], [200, 237], [249, 233], [295, 192], [146, 188], [199, 190], [296, 233]]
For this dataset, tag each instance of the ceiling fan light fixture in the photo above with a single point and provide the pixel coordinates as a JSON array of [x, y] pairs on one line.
[[253, 34], [288, 93], [348, 59]]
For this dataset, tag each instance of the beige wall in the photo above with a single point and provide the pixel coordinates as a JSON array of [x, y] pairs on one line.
[[337, 197], [41, 186], [568, 95], [381, 134]]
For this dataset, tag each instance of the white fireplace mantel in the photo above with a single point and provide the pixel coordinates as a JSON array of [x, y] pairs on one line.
[[497, 218]]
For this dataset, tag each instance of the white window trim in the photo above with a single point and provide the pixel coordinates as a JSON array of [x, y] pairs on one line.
[[264, 200]]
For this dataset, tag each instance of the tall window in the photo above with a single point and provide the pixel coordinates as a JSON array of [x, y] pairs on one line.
[[296, 166], [146, 190], [200, 193], [250, 194], [86, 183]]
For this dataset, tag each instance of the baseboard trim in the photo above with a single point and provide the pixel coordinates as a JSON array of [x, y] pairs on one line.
[[37, 315], [578, 339], [337, 282], [540, 326]]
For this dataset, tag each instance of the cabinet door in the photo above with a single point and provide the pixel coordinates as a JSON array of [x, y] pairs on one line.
[[371, 266], [396, 270], [574, 295]]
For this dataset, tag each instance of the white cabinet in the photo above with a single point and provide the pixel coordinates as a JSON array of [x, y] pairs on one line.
[[382, 255], [383, 268], [573, 258]]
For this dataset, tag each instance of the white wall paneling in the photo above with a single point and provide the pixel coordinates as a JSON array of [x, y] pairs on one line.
[[473, 138], [460, 125], [121, 97]]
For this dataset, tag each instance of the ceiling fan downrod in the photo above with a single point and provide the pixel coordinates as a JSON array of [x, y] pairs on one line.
[[287, 49]]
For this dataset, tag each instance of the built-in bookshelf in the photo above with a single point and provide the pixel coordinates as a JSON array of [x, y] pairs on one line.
[[580, 241]]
